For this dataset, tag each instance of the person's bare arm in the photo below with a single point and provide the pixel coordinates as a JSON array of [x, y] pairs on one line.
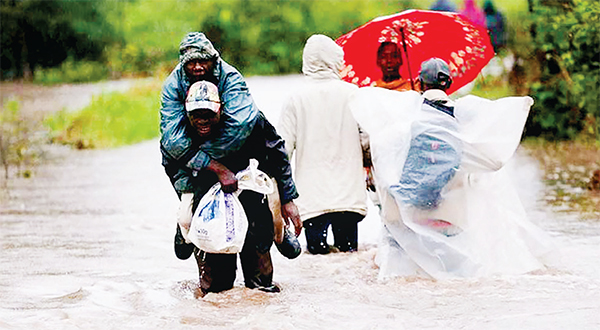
[[289, 211], [229, 182]]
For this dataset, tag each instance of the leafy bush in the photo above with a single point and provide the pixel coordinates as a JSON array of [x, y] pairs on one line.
[[130, 60], [111, 120], [72, 71], [566, 44]]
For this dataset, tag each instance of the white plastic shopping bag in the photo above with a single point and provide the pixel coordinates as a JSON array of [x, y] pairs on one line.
[[184, 214], [254, 179], [219, 224]]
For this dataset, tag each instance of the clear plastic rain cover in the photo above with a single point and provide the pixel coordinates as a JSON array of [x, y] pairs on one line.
[[447, 206]]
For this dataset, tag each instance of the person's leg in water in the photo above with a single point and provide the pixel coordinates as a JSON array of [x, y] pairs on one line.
[[345, 230], [315, 230], [255, 258], [216, 271], [258, 270]]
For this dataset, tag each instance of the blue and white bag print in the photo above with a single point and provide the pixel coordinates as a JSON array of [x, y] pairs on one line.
[[219, 224]]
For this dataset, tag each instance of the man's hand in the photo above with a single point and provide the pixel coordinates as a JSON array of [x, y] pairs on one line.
[[229, 182], [289, 211]]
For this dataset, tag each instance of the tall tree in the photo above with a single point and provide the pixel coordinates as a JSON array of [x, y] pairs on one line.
[[45, 33]]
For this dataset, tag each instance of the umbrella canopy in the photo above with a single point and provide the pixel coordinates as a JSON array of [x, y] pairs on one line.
[[426, 34]]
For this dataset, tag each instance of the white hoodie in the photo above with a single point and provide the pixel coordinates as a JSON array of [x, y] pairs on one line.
[[320, 131]]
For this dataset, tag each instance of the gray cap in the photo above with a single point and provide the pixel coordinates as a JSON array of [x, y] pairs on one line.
[[435, 71]]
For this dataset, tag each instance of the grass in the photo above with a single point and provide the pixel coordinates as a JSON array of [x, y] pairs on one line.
[[71, 71], [110, 120]]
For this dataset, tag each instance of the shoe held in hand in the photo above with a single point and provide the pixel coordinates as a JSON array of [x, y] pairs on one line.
[[290, 246]]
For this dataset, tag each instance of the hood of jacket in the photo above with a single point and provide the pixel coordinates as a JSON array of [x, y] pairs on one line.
[[322, 58], [195, 45]]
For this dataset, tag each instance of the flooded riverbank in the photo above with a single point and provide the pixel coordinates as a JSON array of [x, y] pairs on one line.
[[87, 244]]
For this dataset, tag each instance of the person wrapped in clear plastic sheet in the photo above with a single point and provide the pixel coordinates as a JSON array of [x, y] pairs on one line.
[[456, 221]]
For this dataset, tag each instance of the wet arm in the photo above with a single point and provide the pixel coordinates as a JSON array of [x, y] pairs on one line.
[[229, 182]]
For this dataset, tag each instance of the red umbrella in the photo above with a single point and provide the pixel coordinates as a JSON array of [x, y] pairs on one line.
[[450, 36]]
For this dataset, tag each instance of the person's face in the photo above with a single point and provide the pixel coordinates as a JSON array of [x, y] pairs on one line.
[[389, 61], [204, 121], [198, 69]]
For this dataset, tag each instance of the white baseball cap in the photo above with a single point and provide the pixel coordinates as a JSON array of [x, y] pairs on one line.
[[203, 95]]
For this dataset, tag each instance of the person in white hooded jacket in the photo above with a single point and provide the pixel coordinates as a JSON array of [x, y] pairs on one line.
[[320, 131]]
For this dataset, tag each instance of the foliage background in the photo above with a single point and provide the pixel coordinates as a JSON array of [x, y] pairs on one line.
[[564, 75], [43, 34]]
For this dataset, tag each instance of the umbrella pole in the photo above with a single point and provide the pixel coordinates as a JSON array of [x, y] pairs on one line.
[[412, 84]]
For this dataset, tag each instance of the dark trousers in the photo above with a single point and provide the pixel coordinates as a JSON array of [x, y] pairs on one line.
[[344, 226], [217, 271]]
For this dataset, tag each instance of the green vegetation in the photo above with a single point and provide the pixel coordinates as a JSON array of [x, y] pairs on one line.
[[131, 38], [564, 75], [491, 88], [57, 41], [20, 140], [111, 120], [43, 34], [257, 37], [72, 72]]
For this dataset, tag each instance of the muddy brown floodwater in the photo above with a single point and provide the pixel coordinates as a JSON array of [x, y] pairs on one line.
[[86, 243]]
